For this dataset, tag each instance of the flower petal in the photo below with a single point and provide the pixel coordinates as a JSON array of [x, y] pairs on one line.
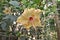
[[22, 19], [37, 13], [27, 25], [37, 22], [28, 12]]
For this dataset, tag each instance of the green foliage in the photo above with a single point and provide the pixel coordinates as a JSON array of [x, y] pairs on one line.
[[7, 20], [37, 1], [58, 0]]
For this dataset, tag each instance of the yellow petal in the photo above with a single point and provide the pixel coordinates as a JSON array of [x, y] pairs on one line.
[[22, 19], [27, 25], [37, 13], [28, 12], [37, 22]]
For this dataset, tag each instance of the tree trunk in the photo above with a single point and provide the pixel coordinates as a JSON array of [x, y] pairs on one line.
[[57, 26]]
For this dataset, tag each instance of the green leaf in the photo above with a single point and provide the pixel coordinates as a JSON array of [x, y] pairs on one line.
[[8, 0], [36, 1], [51, 21], [58, 0], [53, 9], [24, 1], [18, 34], [14, 3], [0, 14]]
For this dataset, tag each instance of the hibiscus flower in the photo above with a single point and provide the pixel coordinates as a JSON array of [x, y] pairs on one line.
[[30, 17], [7, 10]]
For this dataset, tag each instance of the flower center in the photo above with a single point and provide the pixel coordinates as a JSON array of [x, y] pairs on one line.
[[30, 18]]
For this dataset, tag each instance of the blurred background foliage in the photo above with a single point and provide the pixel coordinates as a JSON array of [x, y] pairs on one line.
[[8, 19]]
